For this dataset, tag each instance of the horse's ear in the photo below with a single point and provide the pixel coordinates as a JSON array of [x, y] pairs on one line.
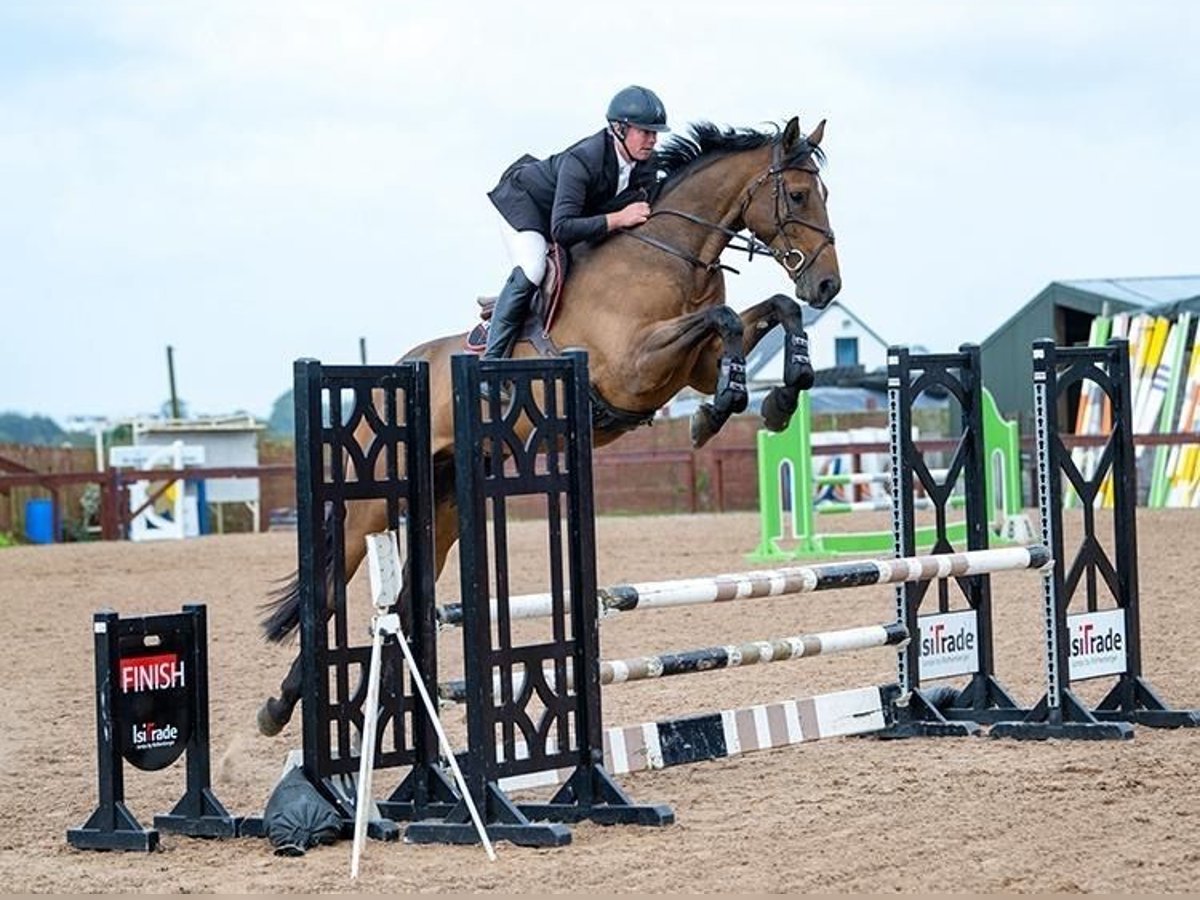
[[791, 133], [814, 139]]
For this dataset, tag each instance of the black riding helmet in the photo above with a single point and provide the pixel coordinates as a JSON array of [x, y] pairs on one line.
[[640, 107]]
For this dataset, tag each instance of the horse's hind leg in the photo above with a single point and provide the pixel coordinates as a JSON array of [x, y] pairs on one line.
[[729, 389], [362, 518], [780, 309]]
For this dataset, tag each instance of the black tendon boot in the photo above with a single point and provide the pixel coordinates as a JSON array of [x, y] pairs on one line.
[[511, 307]]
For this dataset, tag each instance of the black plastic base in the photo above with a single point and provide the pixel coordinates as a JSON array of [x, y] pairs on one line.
[[918, 728], [1154, 718], [198, 814], [946, 712], [652, 815], [113, 828], [1074, 731], [1069, 719], [590, 794], [527, 834], [1131, 701], [204, 827]]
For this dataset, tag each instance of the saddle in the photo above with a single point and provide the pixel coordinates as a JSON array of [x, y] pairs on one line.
[[536, 329]]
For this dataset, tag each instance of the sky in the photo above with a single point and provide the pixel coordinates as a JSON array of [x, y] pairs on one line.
[[251, 182]]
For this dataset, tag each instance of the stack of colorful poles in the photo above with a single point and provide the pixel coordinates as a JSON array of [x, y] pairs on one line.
[[1165, 384], [1178, 483]]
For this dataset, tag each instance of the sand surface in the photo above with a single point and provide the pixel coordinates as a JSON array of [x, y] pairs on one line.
[[850, 814]]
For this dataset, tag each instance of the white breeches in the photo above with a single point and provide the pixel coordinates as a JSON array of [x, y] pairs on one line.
[[526, 249]]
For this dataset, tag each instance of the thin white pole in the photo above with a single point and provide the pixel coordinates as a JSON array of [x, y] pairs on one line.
[[366, 750], [383, 558]]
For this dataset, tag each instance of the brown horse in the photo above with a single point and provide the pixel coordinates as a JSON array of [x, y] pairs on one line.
[[649, 307]]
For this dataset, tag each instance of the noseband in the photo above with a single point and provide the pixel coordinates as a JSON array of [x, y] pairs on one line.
[[792, 258]]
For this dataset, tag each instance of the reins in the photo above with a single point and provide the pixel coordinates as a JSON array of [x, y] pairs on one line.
[[791, 258]]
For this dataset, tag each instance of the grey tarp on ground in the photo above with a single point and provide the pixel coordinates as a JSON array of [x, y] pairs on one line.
[[298, 817]]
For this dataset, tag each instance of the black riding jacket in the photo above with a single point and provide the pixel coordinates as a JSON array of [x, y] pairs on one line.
[[565, 197]]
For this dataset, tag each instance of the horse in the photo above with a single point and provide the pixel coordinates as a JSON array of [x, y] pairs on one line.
[[648, 305]]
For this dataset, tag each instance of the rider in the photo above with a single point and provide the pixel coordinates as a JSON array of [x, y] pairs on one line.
[[564, 199]]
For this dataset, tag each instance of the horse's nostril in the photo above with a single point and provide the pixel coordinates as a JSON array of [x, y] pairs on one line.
[[829, 287]]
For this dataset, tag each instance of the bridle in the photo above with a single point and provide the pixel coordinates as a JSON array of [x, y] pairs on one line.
[[792, 258]]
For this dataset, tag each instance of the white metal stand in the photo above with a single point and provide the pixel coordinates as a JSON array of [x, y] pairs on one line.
[[383, 560]]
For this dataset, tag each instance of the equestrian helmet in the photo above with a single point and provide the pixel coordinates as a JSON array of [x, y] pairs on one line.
[[640, 107]]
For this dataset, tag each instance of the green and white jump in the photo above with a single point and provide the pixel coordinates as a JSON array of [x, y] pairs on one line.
[[787, 485]]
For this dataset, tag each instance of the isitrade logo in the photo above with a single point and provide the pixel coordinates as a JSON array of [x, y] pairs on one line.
[[148, 735], [159, 672], [949, 644], [1097, 644]]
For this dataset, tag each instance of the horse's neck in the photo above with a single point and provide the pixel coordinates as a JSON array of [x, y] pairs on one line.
[[713, 193]]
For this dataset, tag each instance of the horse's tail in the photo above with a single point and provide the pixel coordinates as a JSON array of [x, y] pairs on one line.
[[283, 607]]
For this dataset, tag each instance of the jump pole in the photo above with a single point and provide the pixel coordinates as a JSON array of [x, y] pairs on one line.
[[687, 662], [780, 582]]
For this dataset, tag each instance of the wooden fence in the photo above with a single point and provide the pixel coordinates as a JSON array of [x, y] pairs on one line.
[[653, 470]]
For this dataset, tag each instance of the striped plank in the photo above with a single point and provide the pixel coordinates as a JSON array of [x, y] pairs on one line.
[[779, 582], [706, 659], [729, 733]]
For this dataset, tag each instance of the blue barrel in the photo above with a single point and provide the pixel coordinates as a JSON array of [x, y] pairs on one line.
[[39, 521]]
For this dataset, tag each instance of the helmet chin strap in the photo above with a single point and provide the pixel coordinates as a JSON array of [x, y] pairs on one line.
[[619, 130]]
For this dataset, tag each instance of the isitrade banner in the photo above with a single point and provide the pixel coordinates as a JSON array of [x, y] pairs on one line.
[[155, 700], [949, 645], [1097, 645]]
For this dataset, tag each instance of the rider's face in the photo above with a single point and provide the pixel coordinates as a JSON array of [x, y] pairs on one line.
[[640, 142]]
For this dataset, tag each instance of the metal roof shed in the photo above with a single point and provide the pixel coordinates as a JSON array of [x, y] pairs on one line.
[[1064, 310]]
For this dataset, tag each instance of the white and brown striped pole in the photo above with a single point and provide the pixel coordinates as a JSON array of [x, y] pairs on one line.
[[706, 659], [779, 582]]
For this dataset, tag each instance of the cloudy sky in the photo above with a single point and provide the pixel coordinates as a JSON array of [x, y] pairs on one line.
[[252, 182]]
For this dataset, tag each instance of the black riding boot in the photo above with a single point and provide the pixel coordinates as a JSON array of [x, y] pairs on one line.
[[507, 317]]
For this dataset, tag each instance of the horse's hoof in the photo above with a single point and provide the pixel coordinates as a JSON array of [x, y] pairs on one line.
[[703, 425], [268, 725], [775, 415]]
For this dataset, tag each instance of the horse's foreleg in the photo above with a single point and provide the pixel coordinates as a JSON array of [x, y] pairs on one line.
[[780, 309]]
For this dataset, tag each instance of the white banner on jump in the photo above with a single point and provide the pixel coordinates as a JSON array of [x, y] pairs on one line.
[[1097, 645], [949, 645]]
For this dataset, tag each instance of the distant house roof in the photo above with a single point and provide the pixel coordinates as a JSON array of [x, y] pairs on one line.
[[771, 344]]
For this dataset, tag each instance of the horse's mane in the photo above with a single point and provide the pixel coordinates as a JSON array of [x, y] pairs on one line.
[[703, 141]]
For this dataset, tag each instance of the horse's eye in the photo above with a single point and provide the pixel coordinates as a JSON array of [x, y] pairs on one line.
[[799, 197]]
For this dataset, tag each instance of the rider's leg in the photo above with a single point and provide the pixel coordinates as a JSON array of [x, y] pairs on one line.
[[511, 307], [527, 250]]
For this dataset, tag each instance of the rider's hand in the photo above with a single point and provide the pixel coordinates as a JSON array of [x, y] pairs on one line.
[[632, 215]]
